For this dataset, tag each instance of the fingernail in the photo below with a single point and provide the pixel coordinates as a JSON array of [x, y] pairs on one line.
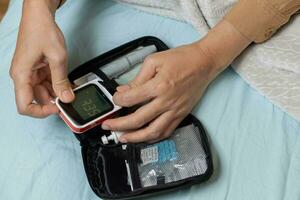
[[123, 88], [105, 127], [67, 95], [122, 140]]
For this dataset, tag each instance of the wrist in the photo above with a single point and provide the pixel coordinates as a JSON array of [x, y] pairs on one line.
[[51, 5], [222, 45]]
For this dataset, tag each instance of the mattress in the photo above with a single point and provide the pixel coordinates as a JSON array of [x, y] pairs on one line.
[[256, 146]]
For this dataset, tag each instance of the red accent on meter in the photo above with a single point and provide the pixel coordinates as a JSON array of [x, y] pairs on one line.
[[93, 104]]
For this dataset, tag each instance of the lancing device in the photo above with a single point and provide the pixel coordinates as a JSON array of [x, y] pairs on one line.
[[123, 64]]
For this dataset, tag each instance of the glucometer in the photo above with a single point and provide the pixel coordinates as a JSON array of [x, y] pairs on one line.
[[93, 101], [92, 105]]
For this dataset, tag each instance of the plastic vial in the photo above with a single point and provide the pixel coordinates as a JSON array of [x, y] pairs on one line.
[[114, 136]]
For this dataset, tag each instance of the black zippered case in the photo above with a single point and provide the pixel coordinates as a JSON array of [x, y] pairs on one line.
[[115, 171]]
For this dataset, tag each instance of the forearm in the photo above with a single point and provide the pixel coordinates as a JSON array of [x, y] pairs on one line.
[[248, 21], [50, 5], [222, 45]]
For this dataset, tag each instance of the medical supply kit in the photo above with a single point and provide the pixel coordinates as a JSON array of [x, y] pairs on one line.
[[126, 171]]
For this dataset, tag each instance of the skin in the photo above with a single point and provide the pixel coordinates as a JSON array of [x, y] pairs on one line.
[[39, 65], [169, 84], [172, 82]]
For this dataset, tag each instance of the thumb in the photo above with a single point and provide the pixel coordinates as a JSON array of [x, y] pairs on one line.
[[147, 72], [60, 82]]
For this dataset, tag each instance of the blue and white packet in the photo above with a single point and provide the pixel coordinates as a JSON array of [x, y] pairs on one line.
[[179, 157]]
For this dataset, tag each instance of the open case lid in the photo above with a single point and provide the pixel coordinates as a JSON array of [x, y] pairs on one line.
[[91, 140]]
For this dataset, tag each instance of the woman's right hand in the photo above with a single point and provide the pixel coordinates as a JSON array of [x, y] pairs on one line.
[[39, 66]]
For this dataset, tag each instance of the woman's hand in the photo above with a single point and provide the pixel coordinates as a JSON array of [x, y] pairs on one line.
[[171, 83], [39, 66]]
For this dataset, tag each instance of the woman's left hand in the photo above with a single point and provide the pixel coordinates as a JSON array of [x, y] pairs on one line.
[[170, 83]]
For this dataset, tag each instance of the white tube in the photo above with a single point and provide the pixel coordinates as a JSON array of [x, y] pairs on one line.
[[114, 136]]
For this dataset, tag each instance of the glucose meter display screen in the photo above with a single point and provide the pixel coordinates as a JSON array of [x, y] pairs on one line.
[[90, 103]]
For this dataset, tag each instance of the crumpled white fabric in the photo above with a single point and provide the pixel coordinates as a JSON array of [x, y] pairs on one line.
[[273, 68]]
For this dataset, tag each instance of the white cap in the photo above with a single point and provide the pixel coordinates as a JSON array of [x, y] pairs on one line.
[[114, 136], [104, 139]]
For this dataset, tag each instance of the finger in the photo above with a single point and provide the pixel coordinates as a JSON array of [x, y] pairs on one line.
[[24, 99], [151, 132], [38, 76], [60, 81], [41, 95], [169, 131], [39, 66], [42, 111], [136, 95], [47, 71], [48, 85], [48, 81], [44, 73], [138, 119], [147, 72]]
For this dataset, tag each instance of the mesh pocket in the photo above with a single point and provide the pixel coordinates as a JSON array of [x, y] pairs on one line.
[[179, 157]]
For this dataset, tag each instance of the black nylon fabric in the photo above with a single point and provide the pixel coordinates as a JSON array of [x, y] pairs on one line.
[[105, 165]]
